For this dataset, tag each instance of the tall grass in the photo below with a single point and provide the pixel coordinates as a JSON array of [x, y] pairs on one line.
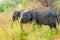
[[13, 32]]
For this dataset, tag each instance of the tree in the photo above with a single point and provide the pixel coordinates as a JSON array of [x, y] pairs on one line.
[[47, 2]]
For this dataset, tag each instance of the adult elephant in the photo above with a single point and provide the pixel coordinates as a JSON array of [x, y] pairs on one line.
[[42, 16]]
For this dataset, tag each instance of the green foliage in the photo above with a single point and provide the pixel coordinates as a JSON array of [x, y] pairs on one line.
[[24, 3], [7, 6], [1, 8], [17, 1]]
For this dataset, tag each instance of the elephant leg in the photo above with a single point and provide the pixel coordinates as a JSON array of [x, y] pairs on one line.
[[21, 21], [33, 24], [21, 26], [39, 25], [55, 28], [51, 27], [33, 20], [54, 25]]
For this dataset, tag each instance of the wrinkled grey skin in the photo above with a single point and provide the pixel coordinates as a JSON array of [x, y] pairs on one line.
[[16, 14], [42, 18]]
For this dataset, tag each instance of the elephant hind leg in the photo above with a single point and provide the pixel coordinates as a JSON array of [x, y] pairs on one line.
[[53, 26]]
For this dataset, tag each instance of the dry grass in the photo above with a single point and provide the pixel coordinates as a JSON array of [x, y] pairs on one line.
[[13, 32]]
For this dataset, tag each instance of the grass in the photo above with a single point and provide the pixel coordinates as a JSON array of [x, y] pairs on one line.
[[13, 32]]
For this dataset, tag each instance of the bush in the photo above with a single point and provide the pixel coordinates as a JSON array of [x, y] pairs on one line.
[[1, 8]]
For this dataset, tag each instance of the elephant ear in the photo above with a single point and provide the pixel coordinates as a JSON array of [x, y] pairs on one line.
[[24, 17]]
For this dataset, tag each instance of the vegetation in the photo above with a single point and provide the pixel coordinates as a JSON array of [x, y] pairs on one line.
[[14, 32]]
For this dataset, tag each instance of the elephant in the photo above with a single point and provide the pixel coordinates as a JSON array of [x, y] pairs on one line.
[[43, 16]]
